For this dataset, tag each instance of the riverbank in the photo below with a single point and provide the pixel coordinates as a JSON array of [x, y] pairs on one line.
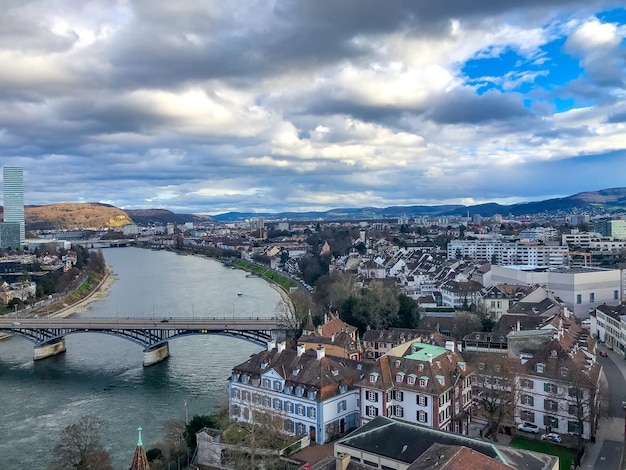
[[99, 292]]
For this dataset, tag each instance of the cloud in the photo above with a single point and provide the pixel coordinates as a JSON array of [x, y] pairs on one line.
[[212, 106]]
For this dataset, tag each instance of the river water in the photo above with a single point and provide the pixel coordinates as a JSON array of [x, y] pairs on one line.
[[103, 375]]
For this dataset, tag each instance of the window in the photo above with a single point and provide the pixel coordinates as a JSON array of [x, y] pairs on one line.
[[573, 427], [527, 383], [398, 395], [399, 377], [341, 406], [289, 426], [540, 368], [371, 411], [410, 379], [311, 412], [267, 401], [422, 416], [615, 295], [289, 407], [423, 382], [373, 377], [266, 383], [343, 388], [300, 410], [398, 411], [496, 367], [550, 388], [592, 297], [572, 409], [300, 429], [397, 363], [371, 395], [550, 405], [256, 398], [277, 404], [550, 421], [236, 393], [299, 391], [277, 385], [573, 392], [579, 298], [528, 416], [246, 395], [528, 400], [245, 378], [564, 371], [422, 400]]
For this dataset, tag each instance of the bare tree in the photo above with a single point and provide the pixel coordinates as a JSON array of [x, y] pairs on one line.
[[495, 390], [79, 447]]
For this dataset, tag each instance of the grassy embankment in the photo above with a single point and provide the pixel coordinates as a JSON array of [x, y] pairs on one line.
[[266, 273]]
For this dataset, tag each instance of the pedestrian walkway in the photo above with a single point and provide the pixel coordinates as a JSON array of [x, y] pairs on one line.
[[609, 430]]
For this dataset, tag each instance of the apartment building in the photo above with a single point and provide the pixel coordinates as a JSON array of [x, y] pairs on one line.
[[419, 383], [505, 253], [300, 392], [608, 325]]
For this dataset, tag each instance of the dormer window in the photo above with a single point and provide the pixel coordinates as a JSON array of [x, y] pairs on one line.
[[410, 379], [299, 391], [263, 365], [423, 381], [496, 367], [540, 368], [397, 363], [343, 388], [438, 364], [335, 372], [245, 378], [481, 366], [441, 379], [564, 371], [462, 366], [373, 377], [295, 371], [400, 377], [420, 367]]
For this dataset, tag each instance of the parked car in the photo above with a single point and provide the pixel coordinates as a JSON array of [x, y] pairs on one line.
[[528, 427], [551, 436], [603, 353]]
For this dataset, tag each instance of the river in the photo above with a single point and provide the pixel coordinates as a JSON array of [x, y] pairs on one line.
[[103, 375]]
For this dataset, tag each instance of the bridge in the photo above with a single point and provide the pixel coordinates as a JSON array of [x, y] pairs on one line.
[[153, 335]]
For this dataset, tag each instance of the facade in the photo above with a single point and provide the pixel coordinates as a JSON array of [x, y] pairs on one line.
[[419, 383], [9, 235], [608, 325], [502, 253], [301, 392], [13, 189], [559, 392]]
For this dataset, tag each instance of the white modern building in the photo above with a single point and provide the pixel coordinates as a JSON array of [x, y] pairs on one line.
[[503, 253], [580, 289]]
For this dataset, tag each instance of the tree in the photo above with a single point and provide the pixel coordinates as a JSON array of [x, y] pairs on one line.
[[408, 312], [464, 324], [496, 390], [197, 423], [377, 307], [79, 447]]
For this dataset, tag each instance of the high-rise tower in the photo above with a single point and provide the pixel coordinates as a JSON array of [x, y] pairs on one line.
[[13, 186]]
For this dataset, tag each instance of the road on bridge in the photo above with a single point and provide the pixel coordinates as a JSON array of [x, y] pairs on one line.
[[127, 323]]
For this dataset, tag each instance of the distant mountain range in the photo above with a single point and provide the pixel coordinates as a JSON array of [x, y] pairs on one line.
[[606, 200], [96, 215]]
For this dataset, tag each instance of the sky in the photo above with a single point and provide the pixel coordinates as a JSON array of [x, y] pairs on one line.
[[296, 105]]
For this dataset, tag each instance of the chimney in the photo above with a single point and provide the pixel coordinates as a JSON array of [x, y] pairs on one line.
[[342, 461], [321, 352], [429, 356], [271, 344], [450, 345], [281, 346], [300, 349], [519, 326]]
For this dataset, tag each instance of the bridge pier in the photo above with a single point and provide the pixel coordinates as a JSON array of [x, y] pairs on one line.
[[154, 355], [43, 351]]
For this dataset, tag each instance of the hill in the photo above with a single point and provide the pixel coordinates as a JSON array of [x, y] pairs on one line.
[[162, 216], [606, 200], [70, 215]]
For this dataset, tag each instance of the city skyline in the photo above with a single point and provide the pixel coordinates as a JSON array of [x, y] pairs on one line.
[[303, 106]]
